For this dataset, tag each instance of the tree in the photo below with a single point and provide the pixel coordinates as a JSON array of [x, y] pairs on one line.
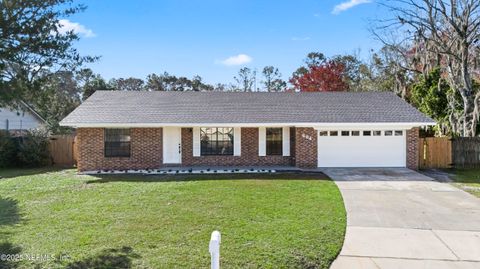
[[246, 79], [127, 84], [352, 74], [157, 82], [31, 42], [429, 95], [167, 82], [55, 98], [273, 79], [199, 86], [385, 71], [315, 59], [93, 85], [327, 76], [445, 33]]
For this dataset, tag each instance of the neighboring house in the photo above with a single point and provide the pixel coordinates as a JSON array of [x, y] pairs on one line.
[[20, 120], [140, 130]]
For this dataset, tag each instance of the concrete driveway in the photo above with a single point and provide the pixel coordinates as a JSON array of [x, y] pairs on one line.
[[398, 218]]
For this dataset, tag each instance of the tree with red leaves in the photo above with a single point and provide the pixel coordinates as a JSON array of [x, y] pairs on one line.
[[327, 75]]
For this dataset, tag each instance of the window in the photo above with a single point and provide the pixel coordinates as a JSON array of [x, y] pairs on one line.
[[367, 133], [117, 143], [274, 141], [355, 133], [398, 132], [377, 133], [345, 133], [216, 141], [388, 133], [323, 133], [333, 133]]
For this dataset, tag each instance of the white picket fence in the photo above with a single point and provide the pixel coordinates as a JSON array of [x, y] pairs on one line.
[[214, 248]]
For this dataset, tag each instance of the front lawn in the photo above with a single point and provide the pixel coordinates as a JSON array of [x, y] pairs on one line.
[[72, 221], [468, 180]]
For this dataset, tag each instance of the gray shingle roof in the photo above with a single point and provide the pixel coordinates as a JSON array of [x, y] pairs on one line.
[[120, 107]]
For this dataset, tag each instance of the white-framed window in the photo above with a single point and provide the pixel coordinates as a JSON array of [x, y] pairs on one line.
[[274, 141], [216, 141], [345, 133], [323, 133], [333, 133], [367, 133], [355, 133], [117, 143], [398, 133], [388, 133]]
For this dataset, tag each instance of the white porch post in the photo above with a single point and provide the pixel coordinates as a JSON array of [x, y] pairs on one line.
[[286, 141], [262, 144], [196, 141], [237, 141]]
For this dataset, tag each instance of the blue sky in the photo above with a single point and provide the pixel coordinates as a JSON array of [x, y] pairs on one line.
[[215, 38]]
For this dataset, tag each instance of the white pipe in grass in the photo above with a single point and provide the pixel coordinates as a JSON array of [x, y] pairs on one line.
[[214, 248]]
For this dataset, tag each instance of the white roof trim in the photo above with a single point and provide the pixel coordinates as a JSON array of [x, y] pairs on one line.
[[297, 124]]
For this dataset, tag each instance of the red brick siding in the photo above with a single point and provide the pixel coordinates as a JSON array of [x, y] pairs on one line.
[[249, 152], [146, 150], [306, 147], [412, 148], [292, 144], [146, 146]]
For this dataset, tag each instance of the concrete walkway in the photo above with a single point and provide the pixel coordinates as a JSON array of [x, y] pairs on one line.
[[398, 218]]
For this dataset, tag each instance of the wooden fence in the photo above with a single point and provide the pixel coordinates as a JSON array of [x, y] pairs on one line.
[[444, 152], [435, 152], [466, 152], [62, 150]]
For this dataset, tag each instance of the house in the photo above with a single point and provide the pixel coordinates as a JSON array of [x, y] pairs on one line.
[[20, 120], [140, 130]]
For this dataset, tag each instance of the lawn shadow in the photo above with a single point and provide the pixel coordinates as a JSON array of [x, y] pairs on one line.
[[199, 177], [463, 175], [8, 249], [108, 258], [18, 172], [9, 212]]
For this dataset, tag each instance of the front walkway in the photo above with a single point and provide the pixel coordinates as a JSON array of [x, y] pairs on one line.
[[398, 218]]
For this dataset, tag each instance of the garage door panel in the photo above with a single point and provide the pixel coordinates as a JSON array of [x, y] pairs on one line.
[[361, 151]]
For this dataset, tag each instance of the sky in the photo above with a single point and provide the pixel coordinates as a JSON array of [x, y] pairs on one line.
[[215, 38]]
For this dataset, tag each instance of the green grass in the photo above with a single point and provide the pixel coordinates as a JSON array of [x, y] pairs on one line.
[[468, 180], [266, 221]]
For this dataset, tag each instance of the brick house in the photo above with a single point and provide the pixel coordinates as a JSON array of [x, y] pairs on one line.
[[148, 130]]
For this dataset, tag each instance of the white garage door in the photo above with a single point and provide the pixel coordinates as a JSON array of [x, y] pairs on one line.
[[366, 148]]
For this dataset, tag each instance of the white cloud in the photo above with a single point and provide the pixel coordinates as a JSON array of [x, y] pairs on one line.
[[77, 28], [300, 38], [348, 4], [237, 60]]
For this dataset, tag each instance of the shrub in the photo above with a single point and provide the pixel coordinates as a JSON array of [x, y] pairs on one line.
[[33, 149], [8, 149]]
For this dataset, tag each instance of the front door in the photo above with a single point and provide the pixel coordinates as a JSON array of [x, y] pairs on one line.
[[172, 145]]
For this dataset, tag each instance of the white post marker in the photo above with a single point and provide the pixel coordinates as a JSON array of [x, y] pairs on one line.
[[214, 249]]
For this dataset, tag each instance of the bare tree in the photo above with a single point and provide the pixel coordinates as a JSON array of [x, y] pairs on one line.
[[444, 33]]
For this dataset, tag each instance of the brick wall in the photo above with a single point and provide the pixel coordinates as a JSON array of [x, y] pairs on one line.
[[306, 147], [146, 150], [412, 148], [249, 152]]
